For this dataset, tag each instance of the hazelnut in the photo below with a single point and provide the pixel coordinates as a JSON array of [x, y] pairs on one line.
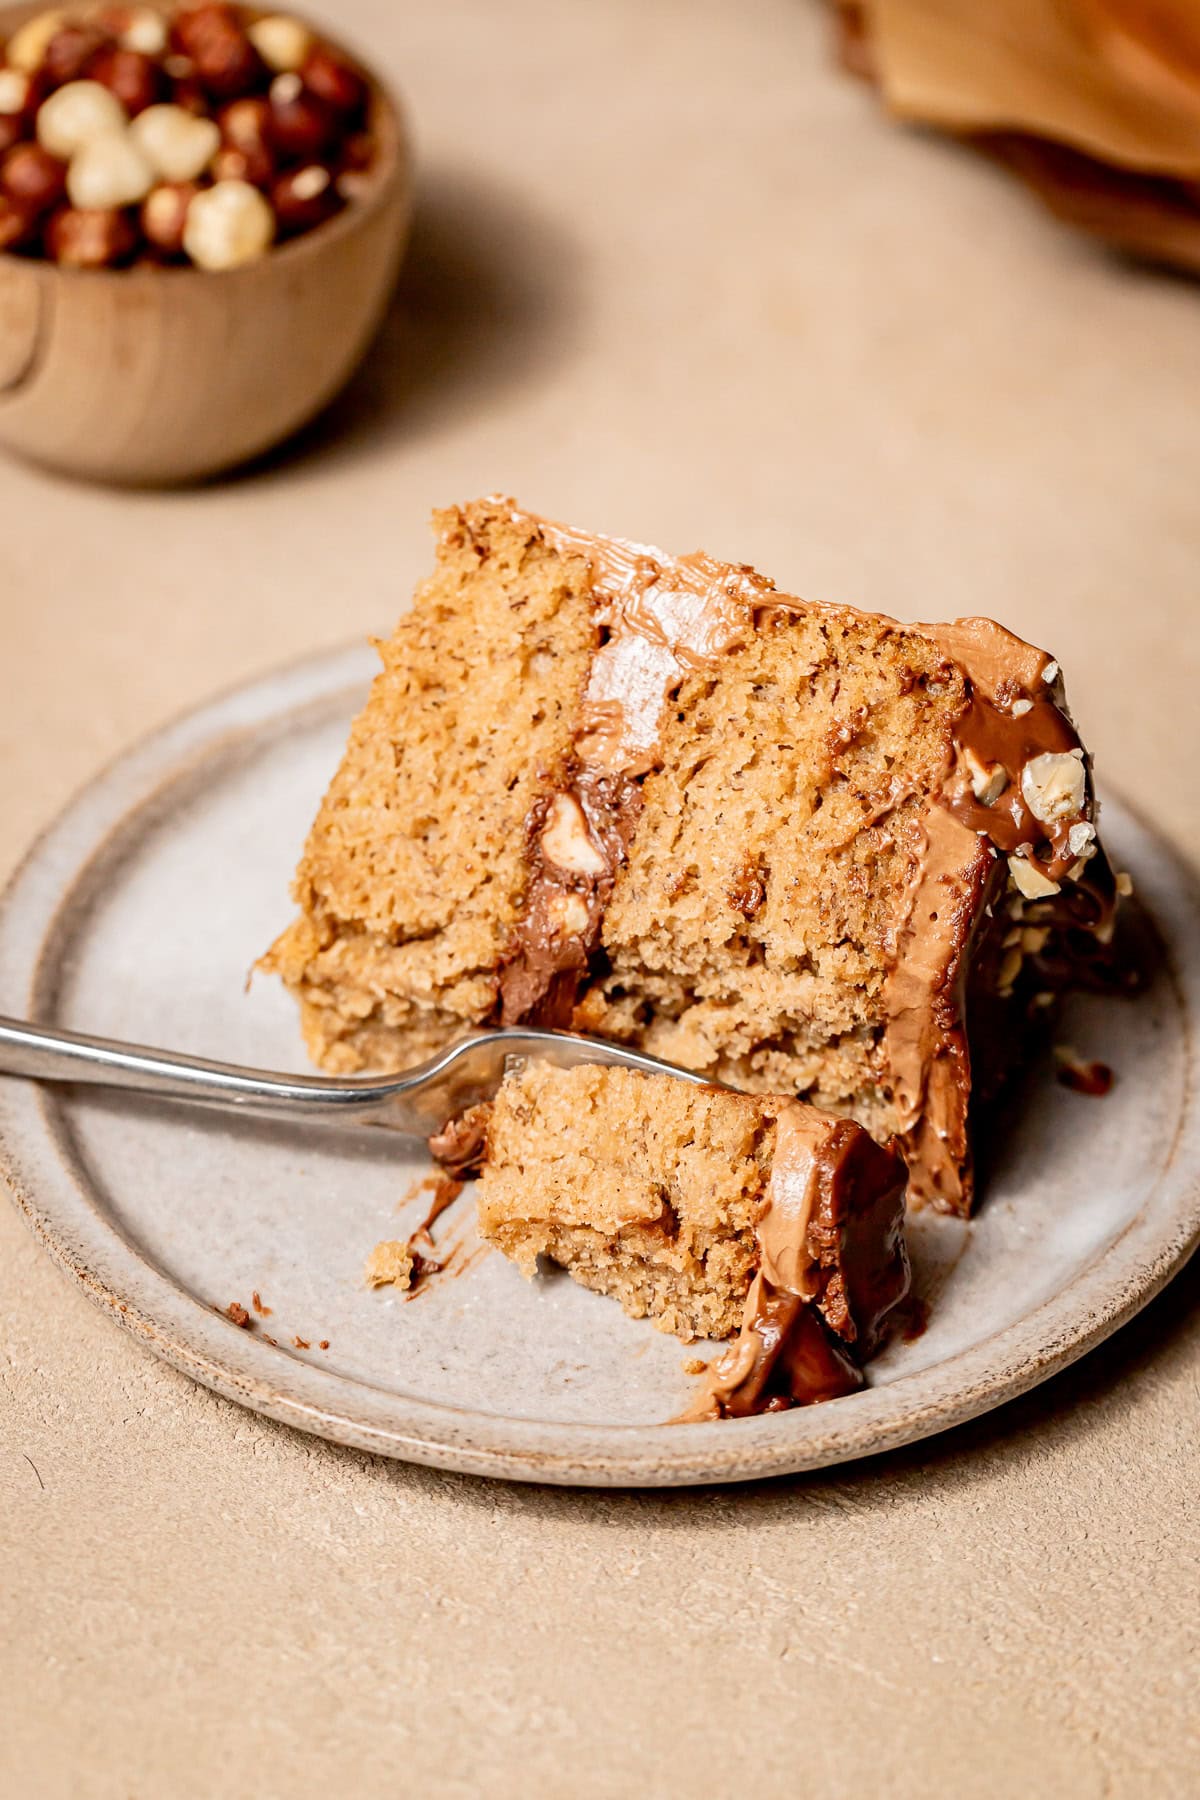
[[1054, 785], [69, 52], [76, 113], [300, 126], [133, 78], [26, 48], [225, 61], [304, 198], [138, 28], [333, 81], [282, 43], [227, 225], [176, 144], [107, 172], [18, 226], [89, 240], [1029, 880], [15, 89], [33, 178], [358, 151], [988, 780], [164, 214], [244, 127], [568, 914], [565, 841], [187, 93]]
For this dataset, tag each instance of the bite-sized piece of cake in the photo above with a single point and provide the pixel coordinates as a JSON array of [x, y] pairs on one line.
[[799, 848], [711, 1212]]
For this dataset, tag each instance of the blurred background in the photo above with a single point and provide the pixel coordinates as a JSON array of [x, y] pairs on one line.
[[673, 275]]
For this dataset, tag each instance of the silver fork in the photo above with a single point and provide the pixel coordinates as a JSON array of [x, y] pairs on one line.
[[416, 1103]]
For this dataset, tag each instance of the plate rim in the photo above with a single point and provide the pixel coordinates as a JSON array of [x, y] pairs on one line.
[[51, 1192]]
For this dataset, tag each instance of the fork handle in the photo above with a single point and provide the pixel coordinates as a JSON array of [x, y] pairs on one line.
[[56, 1055]]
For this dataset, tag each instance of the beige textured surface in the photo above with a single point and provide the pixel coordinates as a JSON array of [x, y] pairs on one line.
[[675, 279]]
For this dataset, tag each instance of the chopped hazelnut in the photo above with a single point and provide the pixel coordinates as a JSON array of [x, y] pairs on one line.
[[1010, 968], [109, 171], [1050, 673], [569, 914], [76, 114], [1124, 884], [1054, 785], [1081, 840], [565, 841], [227, 225], [1029, 880], [1021, 707], [176, 145], [282, 42], [988, 780]]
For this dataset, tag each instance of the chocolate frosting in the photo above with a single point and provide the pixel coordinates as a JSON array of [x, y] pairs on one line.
[[832, 1265], [982, 843]]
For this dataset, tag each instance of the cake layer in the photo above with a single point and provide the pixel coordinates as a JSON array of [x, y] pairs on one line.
[[712, 1212], [791, 845]]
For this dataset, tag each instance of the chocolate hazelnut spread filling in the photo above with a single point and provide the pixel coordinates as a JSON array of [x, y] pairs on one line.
[[1016, 812], [1012, 827], [832, 1266]]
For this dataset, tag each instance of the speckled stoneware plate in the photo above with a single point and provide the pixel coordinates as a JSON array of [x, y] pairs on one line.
[[138, 916]]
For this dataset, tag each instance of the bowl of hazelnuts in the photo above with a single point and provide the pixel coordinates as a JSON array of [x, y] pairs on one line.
[[203, 208]]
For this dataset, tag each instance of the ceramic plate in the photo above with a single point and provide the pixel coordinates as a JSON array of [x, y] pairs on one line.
[[138, 916]]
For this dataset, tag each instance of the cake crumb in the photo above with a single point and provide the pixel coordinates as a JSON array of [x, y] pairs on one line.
[[390, 1264], [1093, 1078], [237, 1312], [301, 1343], [324, 1344], [694, 1365], [256, 1301]]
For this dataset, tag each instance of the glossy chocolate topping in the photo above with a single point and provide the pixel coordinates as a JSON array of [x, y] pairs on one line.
[[1011, 824], [832, 1265]]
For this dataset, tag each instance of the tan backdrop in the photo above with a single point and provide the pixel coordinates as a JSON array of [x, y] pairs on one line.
[[672, 277]]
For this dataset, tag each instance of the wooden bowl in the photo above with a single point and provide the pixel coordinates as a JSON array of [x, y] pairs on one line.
[[149, 376]]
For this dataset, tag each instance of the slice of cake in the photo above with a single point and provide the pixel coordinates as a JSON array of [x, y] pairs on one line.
[[799, 848], [710, 1211]]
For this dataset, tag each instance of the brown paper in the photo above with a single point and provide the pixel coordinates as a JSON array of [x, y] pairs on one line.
[[1080, 72], [1094, 103]]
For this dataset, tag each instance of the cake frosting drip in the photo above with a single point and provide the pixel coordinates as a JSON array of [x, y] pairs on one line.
[[832, 1265], [1011, 826], [1015, 815]]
